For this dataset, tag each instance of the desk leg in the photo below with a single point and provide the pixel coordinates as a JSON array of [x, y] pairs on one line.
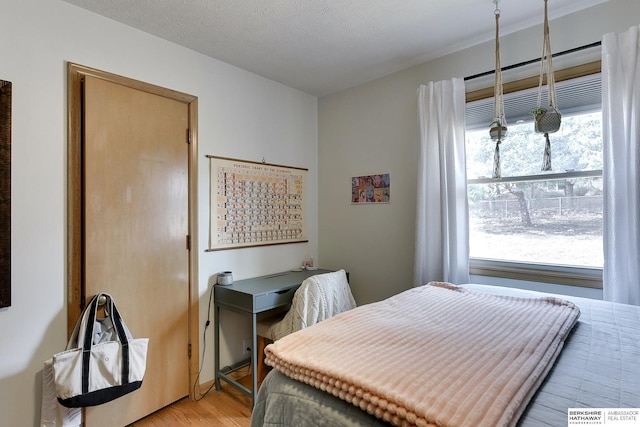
[[216, 322], [254, 360]]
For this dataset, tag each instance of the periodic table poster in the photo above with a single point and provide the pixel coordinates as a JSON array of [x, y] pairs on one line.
[[255, 204]]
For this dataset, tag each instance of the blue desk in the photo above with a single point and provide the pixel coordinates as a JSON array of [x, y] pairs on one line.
[[251, 297]]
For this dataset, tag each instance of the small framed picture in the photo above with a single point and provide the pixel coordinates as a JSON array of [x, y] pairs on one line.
[[369, 189]]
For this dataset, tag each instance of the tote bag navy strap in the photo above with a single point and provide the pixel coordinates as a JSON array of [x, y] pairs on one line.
[[124, 340]]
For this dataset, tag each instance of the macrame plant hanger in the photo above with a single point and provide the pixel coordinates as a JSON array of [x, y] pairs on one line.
[[547, 120], [498, 127]]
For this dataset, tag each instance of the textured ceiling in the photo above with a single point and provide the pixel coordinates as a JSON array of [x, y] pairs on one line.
[[323, 46]]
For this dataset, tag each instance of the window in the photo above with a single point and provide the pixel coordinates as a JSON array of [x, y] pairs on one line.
[[530, 224]]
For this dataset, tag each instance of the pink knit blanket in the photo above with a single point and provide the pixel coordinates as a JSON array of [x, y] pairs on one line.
[[434, 355]]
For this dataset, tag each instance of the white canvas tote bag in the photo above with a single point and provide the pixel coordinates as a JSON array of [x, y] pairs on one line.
[[102, 361]]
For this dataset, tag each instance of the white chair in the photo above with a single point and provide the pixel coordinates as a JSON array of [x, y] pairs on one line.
[[318, 298]]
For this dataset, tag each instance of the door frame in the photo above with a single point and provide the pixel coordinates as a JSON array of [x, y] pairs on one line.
[[75, 256]]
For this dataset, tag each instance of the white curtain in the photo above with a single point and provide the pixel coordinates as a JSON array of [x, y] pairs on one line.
[[442, 217], [621, 169]]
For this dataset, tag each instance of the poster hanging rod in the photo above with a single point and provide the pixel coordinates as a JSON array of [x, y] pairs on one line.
[[533, 61]]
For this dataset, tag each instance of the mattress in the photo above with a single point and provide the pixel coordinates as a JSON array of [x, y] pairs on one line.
[[598, 368]]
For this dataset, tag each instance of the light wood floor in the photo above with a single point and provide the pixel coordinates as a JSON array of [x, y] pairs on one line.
[[227, 407]]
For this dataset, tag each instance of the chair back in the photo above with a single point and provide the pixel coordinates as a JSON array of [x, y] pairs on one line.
[[318, 298]]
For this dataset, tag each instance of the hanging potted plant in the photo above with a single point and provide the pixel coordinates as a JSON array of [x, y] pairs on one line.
[[498, 127], [547, 120], [497, 131]]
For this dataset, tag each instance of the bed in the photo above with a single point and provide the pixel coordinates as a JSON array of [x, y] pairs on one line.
[[596, 365]]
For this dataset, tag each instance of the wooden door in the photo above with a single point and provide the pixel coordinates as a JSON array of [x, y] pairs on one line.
[[136, 222]]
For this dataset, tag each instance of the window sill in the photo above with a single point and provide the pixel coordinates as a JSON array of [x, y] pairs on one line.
[[556, 274]]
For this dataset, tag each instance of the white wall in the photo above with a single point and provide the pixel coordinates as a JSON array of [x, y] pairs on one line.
[[241, 115], [372, 128]]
